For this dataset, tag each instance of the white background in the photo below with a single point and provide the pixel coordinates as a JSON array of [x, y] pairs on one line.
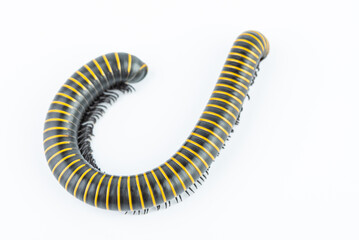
[[290, 170]]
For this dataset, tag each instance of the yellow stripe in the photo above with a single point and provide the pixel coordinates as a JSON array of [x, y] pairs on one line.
[[119, 193], [66, 96], [56, 120], [220, 116], [52, 137], [108, 193], [249, 42], [55, 128], [129, 193], [225, 101], [118, 62], [179, 178], [194, 153], [215, 124], [72, 174], [67, 167], [206, 139], [251, 35], [59, 111], [240, 62], [266, 44], [247, 50], [143, 66], [107, 63], [140, 192], [150, 188], [98, 188], [91, 72], [197, 155], [168, 180], [61, 151], [261, 36], [234, 81], [62, 103], [267, 47], [63, 159], [84, 77], [213, 133], [237, 75], [78, 83], [222, 108], [73, 89], [230, 95], [80, 179], [190, 161], [230, 87], [99, 67], [88, 185], [203, 148], [180, 164], [239, 69], [243, 56], [159, 185], [56, 144], [129, 65]]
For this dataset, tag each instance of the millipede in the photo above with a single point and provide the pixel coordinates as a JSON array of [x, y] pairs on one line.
[[85, 96]]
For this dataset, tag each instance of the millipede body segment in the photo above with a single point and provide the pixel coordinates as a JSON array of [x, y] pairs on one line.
[[81, 100]]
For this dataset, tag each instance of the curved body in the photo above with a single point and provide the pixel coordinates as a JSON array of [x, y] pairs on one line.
[[177, 174]]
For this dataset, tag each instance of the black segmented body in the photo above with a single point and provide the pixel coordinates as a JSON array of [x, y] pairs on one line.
[[73, 112]]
